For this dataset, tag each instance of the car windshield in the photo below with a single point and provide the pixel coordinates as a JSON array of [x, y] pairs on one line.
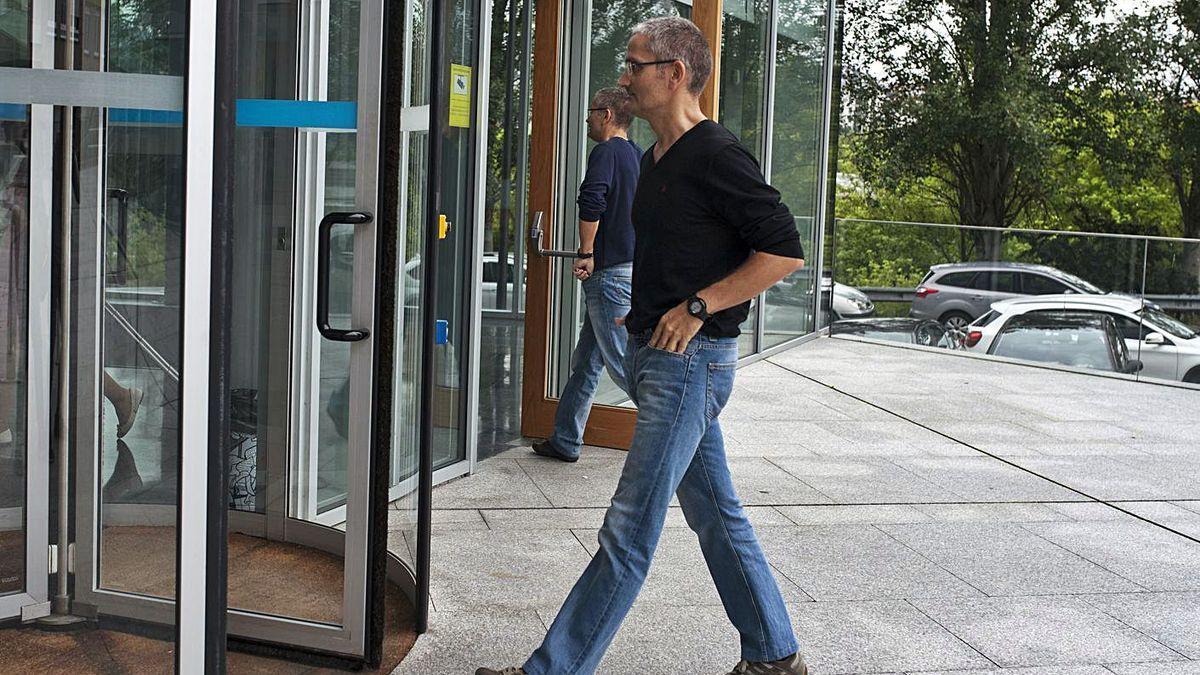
[[1165, 322]]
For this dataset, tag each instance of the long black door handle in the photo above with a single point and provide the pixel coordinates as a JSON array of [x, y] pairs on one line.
[[323, 234]]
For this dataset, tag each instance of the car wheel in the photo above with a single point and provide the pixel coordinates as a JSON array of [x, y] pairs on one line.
[[1193, 376], [955, 321], [930, 334]]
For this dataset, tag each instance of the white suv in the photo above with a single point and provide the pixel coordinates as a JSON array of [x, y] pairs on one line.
[[1168, 348]]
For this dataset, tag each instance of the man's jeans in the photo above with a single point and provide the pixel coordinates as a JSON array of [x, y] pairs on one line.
[[677, 449], [601, 343]]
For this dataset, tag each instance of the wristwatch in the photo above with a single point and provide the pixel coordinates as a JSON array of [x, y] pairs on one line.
[[698, 308], [584, 256]]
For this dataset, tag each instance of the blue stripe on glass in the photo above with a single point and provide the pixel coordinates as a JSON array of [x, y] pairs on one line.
[[137, 116], [441, 334], [253, 112], [12, 111], [250, 113]]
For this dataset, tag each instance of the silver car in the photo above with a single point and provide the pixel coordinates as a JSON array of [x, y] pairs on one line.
[[1169, 348], [956, 294]]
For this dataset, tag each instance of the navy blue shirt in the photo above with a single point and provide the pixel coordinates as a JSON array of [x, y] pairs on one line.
[[606, 195], [700, 211]]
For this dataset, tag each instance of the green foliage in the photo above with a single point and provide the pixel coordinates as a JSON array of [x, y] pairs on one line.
[[1038, 114], [146, 246]]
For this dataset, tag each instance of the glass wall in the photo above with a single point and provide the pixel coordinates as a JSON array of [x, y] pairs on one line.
[[131, 180], [772, 95], [505, 219], [91, 205], [745, 33], [14, 314], [1103, 303], [455, 249], [604, 37], [797, 135], [14, 329]]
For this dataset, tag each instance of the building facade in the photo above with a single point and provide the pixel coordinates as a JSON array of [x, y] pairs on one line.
[[268, 278]]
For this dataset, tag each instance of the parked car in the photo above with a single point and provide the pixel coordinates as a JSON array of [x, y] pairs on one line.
[[958, 293], [846, 302], [1168, 348], [1076, 338], [789, 302], [903, 330], [489, 283]]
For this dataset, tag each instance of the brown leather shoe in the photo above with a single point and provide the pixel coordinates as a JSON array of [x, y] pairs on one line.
[[792, 665]]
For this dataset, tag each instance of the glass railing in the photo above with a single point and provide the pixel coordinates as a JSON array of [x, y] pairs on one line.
[[1125, 305]]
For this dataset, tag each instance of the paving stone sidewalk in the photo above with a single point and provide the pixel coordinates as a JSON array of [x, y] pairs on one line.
[[923, 513]]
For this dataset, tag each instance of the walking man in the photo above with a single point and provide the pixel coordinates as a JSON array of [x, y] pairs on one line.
[[605, 268], [711, 235]]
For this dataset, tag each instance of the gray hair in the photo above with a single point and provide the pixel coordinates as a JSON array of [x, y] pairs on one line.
[[673, 37], [617, 100]]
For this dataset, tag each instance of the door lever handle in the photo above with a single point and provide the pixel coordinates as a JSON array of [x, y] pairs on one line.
[[535, 238]]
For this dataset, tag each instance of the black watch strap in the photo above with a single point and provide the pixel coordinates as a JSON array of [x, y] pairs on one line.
[[698, 308], [584, 256]]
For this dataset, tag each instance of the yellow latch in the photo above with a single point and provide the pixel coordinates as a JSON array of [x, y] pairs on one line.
[[443, 226]]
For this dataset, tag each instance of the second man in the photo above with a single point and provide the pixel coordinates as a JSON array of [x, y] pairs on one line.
[[605, 267]]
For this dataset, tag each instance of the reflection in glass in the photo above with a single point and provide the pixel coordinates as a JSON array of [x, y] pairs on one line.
[[1144, 287], [796, 138], [14, 238], [508, 159], [418, 81], [455, 249], [611, 26], [744, 33], [139, 381], [406, 399], [333, 428]]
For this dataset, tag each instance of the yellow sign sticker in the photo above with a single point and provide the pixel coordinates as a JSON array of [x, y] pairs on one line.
[[460, 95]]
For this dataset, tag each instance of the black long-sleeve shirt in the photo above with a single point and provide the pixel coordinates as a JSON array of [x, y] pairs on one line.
[[606, 195], [698, 214]]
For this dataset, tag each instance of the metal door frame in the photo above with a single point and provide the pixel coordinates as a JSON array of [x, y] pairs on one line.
[[350, 638], [33, 601]]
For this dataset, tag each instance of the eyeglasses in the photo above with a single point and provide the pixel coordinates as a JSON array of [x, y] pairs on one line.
[[634, 67], [592, 110]]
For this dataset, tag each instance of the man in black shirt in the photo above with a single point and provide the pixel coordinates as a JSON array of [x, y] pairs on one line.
[[606, 242], [710, 235]]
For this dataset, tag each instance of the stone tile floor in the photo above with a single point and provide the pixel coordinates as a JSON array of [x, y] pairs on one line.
[[923, 512]]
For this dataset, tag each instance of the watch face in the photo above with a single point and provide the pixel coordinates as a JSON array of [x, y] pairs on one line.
[[695, 307]]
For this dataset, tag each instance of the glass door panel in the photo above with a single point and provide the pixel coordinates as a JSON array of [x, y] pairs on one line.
[[453, 311], [797, 138], [298, 544], [14, 326], [126, 140], [602, 36], [91, 192], [14, 461], [23, 497]]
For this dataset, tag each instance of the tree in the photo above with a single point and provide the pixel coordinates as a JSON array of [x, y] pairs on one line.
[[1153, 127], [960, 91]]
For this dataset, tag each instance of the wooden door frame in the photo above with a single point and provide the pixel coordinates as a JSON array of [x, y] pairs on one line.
[[609, 426]]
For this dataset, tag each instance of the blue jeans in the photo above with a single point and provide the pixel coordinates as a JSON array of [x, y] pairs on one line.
[[677, 449], [601, 344]]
